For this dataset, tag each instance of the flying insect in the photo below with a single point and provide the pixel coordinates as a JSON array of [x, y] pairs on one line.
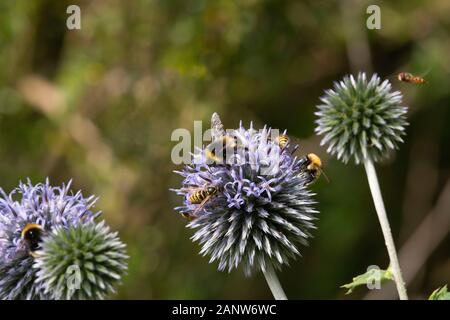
[[410, 78]]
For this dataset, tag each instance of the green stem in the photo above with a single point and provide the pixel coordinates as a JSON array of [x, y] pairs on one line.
[[384, 222], [274, 283]]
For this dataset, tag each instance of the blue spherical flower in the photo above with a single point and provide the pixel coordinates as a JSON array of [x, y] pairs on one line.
[[48, 209], [262, 209]]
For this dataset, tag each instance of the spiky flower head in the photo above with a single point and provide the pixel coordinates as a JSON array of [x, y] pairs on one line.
[[47, 207], [263, 209], [361, 118], [83, 262]]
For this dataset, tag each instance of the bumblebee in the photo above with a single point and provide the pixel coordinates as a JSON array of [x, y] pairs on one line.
[[219, 148], [410, 78], [211, 156], [312, 166], [200, 196], [31, 236]]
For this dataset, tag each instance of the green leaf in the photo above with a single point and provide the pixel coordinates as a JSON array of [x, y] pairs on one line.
[[440, 294], [370, 277]]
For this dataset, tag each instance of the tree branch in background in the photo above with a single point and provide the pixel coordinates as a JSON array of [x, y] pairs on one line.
[[358, 50], [48, 99]]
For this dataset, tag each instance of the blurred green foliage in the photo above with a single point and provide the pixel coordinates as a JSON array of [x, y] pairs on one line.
[[99, 104]]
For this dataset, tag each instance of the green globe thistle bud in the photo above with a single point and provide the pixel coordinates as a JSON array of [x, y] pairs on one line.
[[361, 119], [82, 262]]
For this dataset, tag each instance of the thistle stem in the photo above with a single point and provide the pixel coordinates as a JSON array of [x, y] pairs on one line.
[[274, 283], [384, 222]]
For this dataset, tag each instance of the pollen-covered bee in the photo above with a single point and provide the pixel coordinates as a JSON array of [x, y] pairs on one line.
[[200, 196], [312, 166], [410, 78], [31, 236]]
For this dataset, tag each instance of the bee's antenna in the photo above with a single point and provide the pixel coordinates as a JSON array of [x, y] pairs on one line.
[[325, 176]]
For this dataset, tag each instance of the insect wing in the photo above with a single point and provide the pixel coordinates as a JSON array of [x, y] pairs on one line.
[[217, 129]]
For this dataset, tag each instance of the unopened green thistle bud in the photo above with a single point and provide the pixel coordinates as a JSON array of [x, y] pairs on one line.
[[361, 118], [85, 261]]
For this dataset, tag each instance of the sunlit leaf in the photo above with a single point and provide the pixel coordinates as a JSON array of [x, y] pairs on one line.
[[440, 294], [371, 279]]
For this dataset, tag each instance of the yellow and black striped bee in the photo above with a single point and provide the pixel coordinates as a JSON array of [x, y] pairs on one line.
[[410, 78], [289, 144], [282, 140], [200, 196], [312, 166], [31, 236]]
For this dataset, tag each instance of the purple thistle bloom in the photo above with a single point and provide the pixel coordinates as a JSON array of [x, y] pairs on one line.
[[46, 206], [263, 209]]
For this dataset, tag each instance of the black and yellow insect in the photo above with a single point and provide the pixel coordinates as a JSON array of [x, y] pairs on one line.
[[211, 156], [282, 140], [288, 144], [312, 166], [410, 78], [32, 235], [221, 147], [200, 196]]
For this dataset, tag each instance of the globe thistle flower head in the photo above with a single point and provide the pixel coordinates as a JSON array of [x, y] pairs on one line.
[[262, 209], [46, 207], [17, 280], [361, 118], [84, 262], [39, 204]]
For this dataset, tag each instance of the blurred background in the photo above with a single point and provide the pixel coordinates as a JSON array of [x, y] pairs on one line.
[[99, 105]]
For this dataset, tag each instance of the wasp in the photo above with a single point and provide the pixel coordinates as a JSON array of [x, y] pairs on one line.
[[312, 166], [410, 78], [31, 236], [200, 196]]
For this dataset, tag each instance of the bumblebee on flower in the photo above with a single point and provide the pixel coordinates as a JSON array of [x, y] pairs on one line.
[[261, 209]]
